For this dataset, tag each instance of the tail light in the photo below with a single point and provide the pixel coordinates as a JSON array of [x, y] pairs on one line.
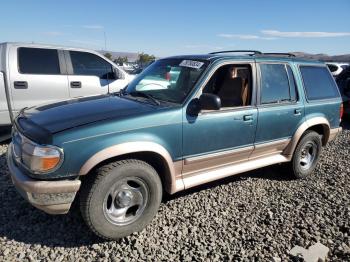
[[341, 110], [167, 76]]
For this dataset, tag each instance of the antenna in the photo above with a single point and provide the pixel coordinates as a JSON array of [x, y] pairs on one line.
[[105, 38]]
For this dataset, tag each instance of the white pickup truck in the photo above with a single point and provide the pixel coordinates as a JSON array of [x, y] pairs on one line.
[[33, 74]]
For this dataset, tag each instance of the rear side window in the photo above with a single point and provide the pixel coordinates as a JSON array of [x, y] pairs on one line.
[[90, 64], [38, 61], [275, 84], [318, 83]]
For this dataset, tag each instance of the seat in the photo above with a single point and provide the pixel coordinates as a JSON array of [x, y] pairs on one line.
[[230, 92], [244, 74]]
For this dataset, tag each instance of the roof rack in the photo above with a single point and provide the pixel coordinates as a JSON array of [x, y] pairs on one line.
[[254, 52], [279, 54]]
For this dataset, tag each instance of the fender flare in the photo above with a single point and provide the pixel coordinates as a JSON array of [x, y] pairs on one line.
[[174, 182], [289, 150]]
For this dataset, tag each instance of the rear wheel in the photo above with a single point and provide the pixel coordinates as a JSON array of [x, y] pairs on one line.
[[121, 199], [306, 155]]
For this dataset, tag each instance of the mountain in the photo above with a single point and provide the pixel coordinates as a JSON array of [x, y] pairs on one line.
[[132, 57], [324, 57]]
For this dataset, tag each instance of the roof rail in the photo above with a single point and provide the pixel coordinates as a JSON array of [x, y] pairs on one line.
[[254, 52], [280, 54]]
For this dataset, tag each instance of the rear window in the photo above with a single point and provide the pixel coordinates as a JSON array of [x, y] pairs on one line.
[[318, 83], [38, 61]]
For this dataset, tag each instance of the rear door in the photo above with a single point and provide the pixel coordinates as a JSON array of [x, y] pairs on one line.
[[37, 76], [90, 74], [280, 111]]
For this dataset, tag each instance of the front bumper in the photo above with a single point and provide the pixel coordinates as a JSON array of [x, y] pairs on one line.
[[53, 197]]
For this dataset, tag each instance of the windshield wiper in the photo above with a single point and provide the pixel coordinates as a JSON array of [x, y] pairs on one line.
[[121, 91], [152, 98]]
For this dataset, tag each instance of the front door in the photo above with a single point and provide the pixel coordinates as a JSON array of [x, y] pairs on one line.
[[220, 137]]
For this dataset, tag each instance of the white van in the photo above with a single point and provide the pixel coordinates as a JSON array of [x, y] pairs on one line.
[[34, 74]]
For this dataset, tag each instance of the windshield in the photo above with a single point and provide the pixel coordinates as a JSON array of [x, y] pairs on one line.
[[168, 80]]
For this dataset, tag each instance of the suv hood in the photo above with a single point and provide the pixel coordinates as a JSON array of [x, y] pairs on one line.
[[63, 115]]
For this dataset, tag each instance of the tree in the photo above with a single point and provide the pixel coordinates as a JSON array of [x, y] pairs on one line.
[[108, 55], [145, 59], [121, 60]]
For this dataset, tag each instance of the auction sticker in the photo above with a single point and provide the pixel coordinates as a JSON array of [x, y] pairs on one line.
[[192, 64]]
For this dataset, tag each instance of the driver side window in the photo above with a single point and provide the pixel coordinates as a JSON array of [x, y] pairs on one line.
[[232, 84]]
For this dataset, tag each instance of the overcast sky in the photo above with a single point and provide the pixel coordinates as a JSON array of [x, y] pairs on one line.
[[182, 26]]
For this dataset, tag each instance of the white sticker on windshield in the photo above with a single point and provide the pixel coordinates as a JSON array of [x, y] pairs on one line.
[[192, 64]]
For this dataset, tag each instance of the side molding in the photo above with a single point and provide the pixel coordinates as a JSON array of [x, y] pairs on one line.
[[302, 128], [173, 179]]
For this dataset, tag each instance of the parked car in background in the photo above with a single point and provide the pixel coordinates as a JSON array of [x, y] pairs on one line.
[[34, 74], [219, 115], [336, 68], [343, 82]]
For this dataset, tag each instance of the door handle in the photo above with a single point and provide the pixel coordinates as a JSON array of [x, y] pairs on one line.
[[297, 112], [248, 118], [20, 84], [75, 84]]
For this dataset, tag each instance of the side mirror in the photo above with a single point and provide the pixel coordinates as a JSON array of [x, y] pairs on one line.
[[118, 74], [193, 108], [209, 102], [204, 102]]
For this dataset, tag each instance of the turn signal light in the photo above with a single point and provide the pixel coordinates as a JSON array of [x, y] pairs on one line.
[[341, 110]]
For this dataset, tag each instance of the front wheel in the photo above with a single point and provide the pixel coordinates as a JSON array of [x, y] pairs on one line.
[[306, 155], [121, 198]]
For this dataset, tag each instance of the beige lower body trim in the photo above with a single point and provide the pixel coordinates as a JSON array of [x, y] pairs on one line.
[[53, 197], [309, 123], [204, 169], [229, 170], [270, 148], [334, 133], [202, 163], [59, 209]]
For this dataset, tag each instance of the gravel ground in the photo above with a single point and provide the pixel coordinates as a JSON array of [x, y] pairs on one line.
[[258, 216]]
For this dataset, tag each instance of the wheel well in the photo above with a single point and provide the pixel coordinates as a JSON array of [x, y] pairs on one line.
[[322, 130], [153, 159]]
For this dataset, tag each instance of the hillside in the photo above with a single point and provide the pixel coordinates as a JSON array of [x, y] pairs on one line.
[[322, 57]]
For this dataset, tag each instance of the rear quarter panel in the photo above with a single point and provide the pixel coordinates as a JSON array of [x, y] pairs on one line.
[[330, 109]]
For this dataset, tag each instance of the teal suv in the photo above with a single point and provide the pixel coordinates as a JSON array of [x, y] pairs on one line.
[[184, 121]]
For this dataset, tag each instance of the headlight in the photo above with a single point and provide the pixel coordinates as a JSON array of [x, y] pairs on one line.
[[41, 159]]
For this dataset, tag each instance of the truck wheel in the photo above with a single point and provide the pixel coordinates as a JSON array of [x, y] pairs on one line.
[[122, 198], [306, 155]]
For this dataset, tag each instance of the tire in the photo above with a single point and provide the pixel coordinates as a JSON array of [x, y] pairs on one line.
[[120, 198], [306, 155]]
